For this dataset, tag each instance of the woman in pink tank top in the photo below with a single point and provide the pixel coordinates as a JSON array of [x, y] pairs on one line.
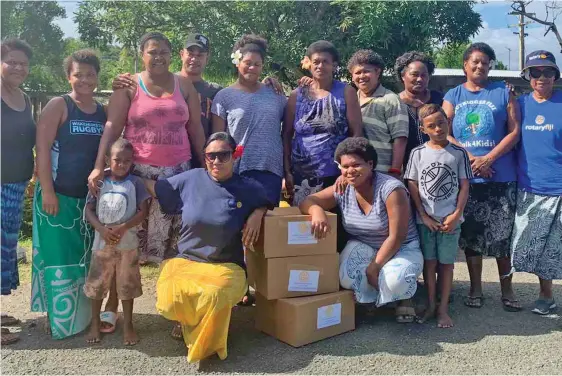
[[159, 116]]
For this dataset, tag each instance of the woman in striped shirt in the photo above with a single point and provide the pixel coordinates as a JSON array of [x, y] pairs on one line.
[[382, 259]]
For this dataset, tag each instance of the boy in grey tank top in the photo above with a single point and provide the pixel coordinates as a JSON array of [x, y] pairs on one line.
[[121, 205], [438, 174]]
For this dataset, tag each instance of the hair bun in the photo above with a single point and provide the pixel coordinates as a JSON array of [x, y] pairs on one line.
[[251, 39]]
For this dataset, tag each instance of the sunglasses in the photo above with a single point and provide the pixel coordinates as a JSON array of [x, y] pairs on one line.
[[546, 73], [222, 156]]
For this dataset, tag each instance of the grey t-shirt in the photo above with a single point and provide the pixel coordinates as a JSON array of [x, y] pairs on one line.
[[372, 228], [118, 202], [254, 121], [438, 173]]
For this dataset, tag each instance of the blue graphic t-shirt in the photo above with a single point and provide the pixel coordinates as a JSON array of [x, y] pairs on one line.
[[480, 123], [540, 151]]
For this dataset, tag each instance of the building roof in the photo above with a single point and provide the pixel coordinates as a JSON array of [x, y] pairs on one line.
[[460, 73]]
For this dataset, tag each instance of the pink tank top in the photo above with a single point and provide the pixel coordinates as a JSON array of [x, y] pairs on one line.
[[156, 126]]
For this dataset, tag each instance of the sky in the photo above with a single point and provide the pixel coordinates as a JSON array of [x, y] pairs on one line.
[[494, 31]]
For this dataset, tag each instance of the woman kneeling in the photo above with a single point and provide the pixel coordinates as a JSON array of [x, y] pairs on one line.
[[382, 260], [220, 211]]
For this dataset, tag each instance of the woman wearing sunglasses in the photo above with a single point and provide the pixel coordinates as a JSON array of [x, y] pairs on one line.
[[537, 233], [220, 212]]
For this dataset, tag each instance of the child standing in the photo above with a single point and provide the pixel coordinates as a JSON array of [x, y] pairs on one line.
[[438, 174], [122, 204]]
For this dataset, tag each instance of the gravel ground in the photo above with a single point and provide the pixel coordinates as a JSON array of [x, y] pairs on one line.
[[483, 341]]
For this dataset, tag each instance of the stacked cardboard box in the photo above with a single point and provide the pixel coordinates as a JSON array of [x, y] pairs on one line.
[[297, 281]]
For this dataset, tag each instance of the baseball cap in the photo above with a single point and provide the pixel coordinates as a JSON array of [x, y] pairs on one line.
[[198, 40], [539, 58]]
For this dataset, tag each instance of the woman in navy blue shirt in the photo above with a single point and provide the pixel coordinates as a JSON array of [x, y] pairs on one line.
[[537, 233], [220, 211]]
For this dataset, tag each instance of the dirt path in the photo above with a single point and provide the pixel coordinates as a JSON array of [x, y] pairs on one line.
[[484, 341]]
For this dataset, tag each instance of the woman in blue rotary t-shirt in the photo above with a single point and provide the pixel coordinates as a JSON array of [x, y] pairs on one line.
[[485, 121], [537, 234]]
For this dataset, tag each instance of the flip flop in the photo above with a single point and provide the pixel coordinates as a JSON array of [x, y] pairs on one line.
[[509, 305], [108, 318], [7, 338], [250, 300], [405, 315], [474, 301], [7, 320]]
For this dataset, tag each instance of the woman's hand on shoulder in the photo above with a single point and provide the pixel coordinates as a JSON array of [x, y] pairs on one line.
[[124, 81], [340, 185], [274, 84]]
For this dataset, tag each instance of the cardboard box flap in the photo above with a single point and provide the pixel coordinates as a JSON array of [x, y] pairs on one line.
[[292, 211], [317, 298]]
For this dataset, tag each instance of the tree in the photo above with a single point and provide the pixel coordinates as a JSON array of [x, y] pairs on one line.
[[32, 21], [391, 28], [451, 56]]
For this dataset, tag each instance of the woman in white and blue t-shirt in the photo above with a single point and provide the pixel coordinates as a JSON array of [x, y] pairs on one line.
[[537, 234], [485, 121], [382, 260]]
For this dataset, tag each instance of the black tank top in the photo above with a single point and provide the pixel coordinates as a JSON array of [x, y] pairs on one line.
[[75, 149], [18, 140]]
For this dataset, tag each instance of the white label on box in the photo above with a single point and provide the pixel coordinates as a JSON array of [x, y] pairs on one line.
[[304, 280], [329, 315], [299, 233]]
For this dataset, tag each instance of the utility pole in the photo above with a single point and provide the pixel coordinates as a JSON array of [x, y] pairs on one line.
[[521, 13], [509, 60]]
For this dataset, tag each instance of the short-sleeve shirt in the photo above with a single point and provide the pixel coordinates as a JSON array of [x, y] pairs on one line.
[[540, 150], [254, 121], [372, 228], [415, 136], [118, 202], [207, 92], [385, 118], [480, 124], [213, 213], [438, 173]]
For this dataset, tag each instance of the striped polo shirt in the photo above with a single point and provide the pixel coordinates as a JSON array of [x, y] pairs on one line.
[[385, 118], [372, 228]]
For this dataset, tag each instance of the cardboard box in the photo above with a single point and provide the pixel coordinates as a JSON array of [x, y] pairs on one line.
[[286, 232], [286, 277], [299, 321]]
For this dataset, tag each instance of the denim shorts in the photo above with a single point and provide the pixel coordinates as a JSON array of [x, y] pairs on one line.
[[440, 246]]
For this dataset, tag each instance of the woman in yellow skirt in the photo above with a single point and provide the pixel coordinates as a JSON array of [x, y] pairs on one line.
[[221, 211]]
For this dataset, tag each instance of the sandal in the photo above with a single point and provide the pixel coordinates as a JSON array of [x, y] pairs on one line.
[[544, 307], [474, 301], [110, 318], [7, 320], [511, 305], [405, 315], [248, 300], [7, 338], [177, 332]]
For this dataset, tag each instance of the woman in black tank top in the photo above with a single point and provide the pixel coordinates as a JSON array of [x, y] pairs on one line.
[[68, 133]]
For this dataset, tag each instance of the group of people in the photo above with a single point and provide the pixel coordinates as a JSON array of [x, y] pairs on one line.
[[178, 171]]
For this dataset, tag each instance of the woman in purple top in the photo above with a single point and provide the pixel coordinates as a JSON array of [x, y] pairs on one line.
[[318, 117]]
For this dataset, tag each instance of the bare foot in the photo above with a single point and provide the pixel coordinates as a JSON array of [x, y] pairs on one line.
[[47, 326], [130, 337], [94, 333], [428, 314], [444, 320], [177, 332]]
